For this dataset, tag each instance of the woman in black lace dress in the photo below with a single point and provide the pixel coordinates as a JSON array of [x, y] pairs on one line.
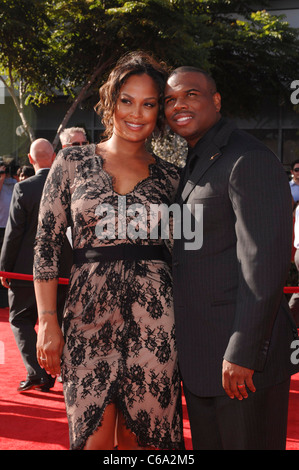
[[119, 359]]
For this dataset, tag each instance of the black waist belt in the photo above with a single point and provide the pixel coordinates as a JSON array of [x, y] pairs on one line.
[[118, 252]]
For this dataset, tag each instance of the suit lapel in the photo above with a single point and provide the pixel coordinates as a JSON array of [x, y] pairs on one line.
[[208, 158]]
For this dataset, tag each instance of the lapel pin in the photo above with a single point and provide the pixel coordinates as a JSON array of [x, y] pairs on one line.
[[214, 156]]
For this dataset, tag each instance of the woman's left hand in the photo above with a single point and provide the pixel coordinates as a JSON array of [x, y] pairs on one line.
[[50, 343]]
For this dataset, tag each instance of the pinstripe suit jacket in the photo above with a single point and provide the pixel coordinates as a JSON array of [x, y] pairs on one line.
[[228, 294], [18, 244]]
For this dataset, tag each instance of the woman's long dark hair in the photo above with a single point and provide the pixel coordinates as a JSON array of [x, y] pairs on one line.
[[133, 63]]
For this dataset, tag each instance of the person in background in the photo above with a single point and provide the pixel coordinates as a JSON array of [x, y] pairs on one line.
[[6, 188], [119, 359], [14, 170], [294, 186], [233, 326], [294, 300], [18, 172], [26, 172], [294, 183], [7, 184], [73, 136], [17, 257]]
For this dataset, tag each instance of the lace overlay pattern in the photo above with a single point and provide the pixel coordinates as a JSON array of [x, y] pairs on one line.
[[119, 321]]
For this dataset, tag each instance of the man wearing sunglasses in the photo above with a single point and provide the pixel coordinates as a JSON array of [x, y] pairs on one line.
[[294, 183], [73, 136]]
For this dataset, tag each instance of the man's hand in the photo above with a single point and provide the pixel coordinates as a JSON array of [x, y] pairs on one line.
[[236, 380]]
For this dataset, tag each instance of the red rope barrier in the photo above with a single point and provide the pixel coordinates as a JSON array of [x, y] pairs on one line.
[[27, 277], [61, 280], [290, 290]]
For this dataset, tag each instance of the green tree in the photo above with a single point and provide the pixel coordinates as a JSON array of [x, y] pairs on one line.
[[50, 47], [253, 58], [92, 35], [26, 66]]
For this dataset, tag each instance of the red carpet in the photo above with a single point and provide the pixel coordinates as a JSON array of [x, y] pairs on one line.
[[37, 421], [29, 421]]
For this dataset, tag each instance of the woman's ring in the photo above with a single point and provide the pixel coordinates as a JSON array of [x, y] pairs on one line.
[[241, 385], [42, 359]]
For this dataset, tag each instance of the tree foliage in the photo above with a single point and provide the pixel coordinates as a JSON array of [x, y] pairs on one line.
[[50, 47], [253, 58], [26, 53]]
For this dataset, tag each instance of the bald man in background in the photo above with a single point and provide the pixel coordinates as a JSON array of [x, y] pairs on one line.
[[17, 257]]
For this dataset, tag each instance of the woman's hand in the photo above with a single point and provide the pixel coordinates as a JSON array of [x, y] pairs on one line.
[[50, 340], [49, 347]]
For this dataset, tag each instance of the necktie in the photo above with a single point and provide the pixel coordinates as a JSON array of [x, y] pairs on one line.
[[191, 160]]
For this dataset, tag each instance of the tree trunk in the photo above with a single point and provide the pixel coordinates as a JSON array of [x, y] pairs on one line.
[[19, 106], [98, 71]]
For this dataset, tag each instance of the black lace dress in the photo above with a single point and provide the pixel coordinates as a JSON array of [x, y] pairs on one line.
[[118, 322]]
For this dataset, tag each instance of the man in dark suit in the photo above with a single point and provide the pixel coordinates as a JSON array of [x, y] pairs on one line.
[[234, 330], [17, 257]]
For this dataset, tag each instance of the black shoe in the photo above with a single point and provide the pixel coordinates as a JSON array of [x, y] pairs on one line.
[[48, 383], [29, 384]]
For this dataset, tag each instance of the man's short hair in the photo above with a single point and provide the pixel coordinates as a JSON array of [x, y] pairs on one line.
[[189, 68], [66, 135], [295, 162]]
